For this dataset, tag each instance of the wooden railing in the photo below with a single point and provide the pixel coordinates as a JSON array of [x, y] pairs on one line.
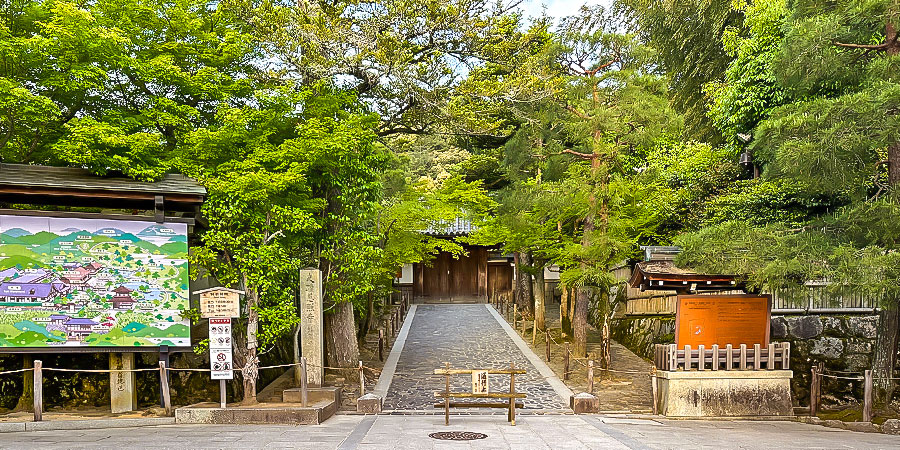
[[776, 355], [508, 399]]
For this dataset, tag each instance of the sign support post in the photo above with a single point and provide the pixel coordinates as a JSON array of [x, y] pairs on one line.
[[219, 305]]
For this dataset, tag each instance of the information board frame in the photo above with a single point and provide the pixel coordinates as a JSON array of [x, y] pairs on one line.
[[110, 220], [713, 320]]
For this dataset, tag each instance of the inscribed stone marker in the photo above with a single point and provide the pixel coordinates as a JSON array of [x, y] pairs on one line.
[[311, 333]]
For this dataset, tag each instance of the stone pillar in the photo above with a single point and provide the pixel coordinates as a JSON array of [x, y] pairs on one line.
[[311, 326], [122, 392]]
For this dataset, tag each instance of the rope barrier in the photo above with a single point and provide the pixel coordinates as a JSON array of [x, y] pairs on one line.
[[843, 378], [59, 369], [16, 371]]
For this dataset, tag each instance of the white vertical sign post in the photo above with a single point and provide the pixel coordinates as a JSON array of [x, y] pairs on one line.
[[220, 362], [219, 305]]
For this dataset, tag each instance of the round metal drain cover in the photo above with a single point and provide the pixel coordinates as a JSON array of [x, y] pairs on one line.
[[457, 435]]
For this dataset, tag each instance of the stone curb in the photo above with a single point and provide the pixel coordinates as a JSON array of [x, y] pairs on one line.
[[91, 424], [861, 427]]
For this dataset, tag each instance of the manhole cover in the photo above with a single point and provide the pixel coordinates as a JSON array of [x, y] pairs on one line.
[[457, 435]]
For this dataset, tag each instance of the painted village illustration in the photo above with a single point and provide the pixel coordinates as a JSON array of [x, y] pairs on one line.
[[80, 282]]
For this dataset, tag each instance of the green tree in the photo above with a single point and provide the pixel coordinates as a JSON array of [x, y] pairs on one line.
[[836, 138]]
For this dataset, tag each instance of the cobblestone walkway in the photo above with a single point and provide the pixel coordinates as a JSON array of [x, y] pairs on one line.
[[466, 336]]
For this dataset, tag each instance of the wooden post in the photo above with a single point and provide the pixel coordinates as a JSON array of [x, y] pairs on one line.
[[687, 357], [813, 387], [38, 390], [362, 380], [590, 376], [533, 331], [867, 397], [729, 357], [566, 363], [785, 355], [756, 356], [701, 361], [387, 325], [547, 339], [715, 357], [743, 357], [512, 399], [673, 357], [654, 388], [770, 359], [447, 395], [381, 345], [515, 316], [304, 388], [223, 401], [164, 385]]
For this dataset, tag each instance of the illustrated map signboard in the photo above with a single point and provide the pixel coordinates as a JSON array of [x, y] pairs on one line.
[[220, 363], [722, 319], [71, 282]]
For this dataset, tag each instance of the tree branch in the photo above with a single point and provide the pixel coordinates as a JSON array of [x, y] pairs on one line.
[[864, 46]]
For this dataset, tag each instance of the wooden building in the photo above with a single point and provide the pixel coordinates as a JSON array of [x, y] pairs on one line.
[[467, 278]]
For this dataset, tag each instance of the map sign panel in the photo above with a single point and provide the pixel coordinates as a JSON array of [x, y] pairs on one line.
[[722, 319], [69, 282]]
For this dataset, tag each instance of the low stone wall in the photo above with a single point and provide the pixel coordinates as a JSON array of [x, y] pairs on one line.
[[841, 342]]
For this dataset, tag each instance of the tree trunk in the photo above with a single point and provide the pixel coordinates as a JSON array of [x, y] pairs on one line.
[[340, 337], [370, 312], [526, 300], [894, 165], [26, 401], [250, 370], [885, 358], [564, 320], [539, 296], [579, 321]]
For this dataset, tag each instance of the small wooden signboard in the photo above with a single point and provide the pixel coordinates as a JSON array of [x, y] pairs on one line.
[[220, 302], [722, 319]]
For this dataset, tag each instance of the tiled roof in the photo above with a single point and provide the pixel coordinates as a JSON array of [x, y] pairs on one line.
[[41, 290], [71, 178], [457, 227]]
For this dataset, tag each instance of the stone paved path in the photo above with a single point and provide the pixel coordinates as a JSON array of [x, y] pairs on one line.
[[466, 336], [532, 432]]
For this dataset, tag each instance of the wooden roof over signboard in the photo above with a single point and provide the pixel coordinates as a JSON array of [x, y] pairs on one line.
[[69, 186], [664, 275]]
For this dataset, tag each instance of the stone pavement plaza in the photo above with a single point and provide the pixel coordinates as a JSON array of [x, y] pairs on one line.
[[391, 432]]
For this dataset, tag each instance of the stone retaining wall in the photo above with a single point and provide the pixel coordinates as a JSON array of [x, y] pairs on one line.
[[841, 342]]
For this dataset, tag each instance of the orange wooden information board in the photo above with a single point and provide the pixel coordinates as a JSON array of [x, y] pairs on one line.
[[722, 319]]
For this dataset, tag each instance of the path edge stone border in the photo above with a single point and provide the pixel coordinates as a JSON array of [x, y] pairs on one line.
[[390, 366], [87, 424], [558, 386]]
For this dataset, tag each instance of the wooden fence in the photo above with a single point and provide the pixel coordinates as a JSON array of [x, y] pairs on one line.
[[773, 356], [508, 399]]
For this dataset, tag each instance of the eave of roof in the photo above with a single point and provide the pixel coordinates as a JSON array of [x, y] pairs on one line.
[[47, 180], [645, 273]]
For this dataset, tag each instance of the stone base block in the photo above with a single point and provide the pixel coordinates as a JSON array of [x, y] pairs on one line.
[[725, 393], [313, 395], [209, 414], [584, 403], [368, 404]]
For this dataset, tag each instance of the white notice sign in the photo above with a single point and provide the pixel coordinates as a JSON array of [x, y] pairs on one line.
[[220, 349], [480, 384]]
